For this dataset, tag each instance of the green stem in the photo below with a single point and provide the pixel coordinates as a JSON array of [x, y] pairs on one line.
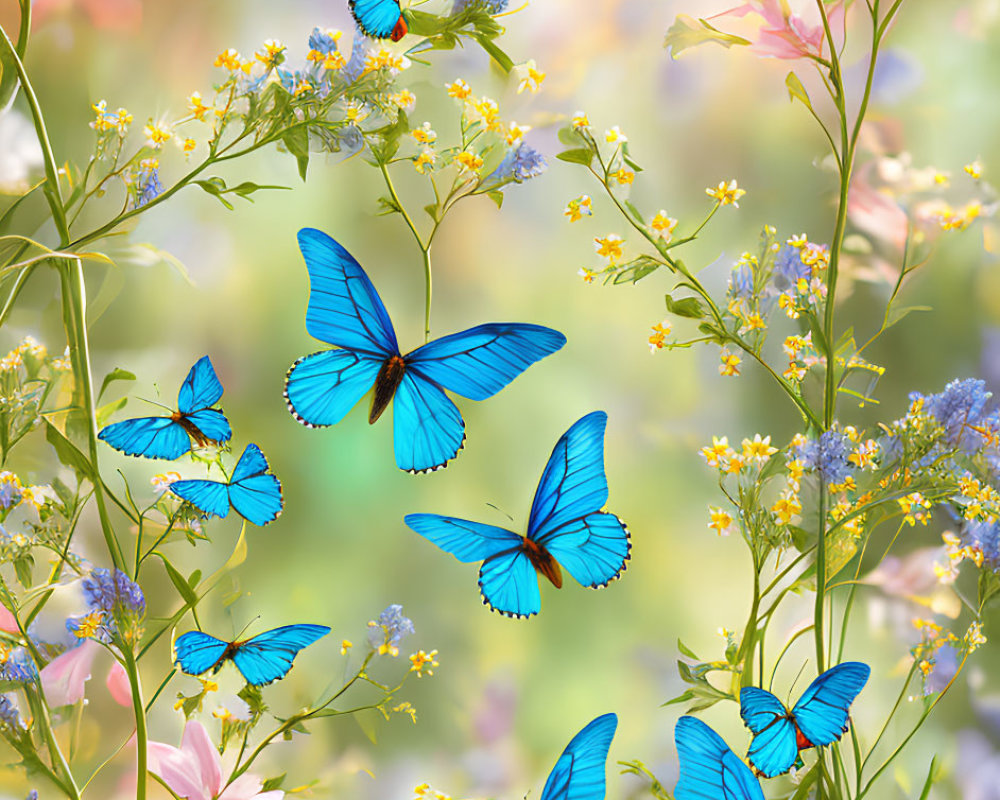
[[427, 293], [748, 645], [818, 615], [141, 737]]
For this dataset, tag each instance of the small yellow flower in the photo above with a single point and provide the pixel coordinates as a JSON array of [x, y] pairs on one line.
[[489, 110], [719, 448], [610, 247], [345, 645], [272, 55], [162, 481], [578, 208], [122, 120], [188, 146], [424, 134], [588, 275], [758, 449], [423, 662], [403, 99], [531, 77], [334, 60], [425, 160], [156, 134], [408, 709], [623, 176], [727, 194], [788, 506], [385, 59], [787, 304], [580, 120], [11, 361], [615, 136], [974, 637], [208, 685], [231, 60], [469, 161], [720, 521], [974, 169], [197, 105], [794, 372], [657, 341], [515, 133], [222, 713], [103, 121], [663, 225], [730, 364], [459, 89], [88, 627]]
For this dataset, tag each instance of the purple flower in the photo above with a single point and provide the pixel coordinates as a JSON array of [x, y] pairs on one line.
[[19, 666], [741, 280], [490, 6], [356, 64], [520, 164], [385, 634], [148, 186], [828, 455], [960, 408], [9, 717], [322, 42], [985, 537], [945, 662], [789, 268], [115, 605]]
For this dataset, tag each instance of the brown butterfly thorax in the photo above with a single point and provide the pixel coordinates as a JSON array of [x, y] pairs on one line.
[[191, 429], [386, 383], [400, 30], [542, 561], [227, 654]]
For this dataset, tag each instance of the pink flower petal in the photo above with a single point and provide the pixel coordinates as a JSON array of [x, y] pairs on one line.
[[118, 685], [876, 213], [64, 678], [7, 622], [197, 743], [178, 769], [245, 787]]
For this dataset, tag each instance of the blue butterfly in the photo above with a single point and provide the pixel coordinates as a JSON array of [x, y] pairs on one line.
[[252, 491], [579, 772], [261, 660], [194, 423], [566, 527], [818, 719], [345, 311], [709, 769], [379, 19]]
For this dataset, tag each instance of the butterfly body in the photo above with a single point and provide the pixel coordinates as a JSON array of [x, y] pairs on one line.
[[819, 718], [261, 660], [379, 19], [345, 311], [579, 774], [194, 422], [566, 529]]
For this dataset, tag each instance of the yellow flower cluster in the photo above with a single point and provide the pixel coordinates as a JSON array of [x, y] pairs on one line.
[[425, 792], [657, 340], [578, 208], [424, 662], [726, 193], [915, 509]]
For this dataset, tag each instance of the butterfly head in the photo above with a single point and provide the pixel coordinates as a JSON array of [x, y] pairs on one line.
[[388, 380], [400, 30], [542, 561]]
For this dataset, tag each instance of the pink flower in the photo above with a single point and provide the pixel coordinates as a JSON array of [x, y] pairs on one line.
[[118, 685], [194, 772], [115, 14], [875, 212], [786, 35], [7, 622], [64, 678]]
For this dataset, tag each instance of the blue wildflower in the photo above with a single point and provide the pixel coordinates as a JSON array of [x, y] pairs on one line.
[[32, 795], [116, 605], [147, 182], [18, 666], [356, 64], [520, 164], [490, 6], [322, 42], [741, 280], [828, 455], [789, 268], [985, 537], [945, 665], [10, 490], [9, 716], [959, 408], [385, 634]]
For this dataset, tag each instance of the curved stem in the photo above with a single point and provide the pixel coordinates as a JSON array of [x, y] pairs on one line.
[[141, 737]]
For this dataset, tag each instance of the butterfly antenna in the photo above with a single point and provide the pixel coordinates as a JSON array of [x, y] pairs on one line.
[[497, 508], [157, 404], [244, 629], [788, 702]]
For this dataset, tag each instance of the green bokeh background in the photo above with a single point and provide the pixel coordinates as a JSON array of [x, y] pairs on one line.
[[340, 553]]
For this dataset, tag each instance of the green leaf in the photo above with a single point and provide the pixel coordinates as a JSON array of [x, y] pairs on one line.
[[578, 155], [499, 56], [685, 650], [24, 568], [897, 313], [637, 269], [108, 410], [183, 588], [689, 307], [215, 187], [796, 91], [297, 141], [687, 32], [932, 776], [8, 73], [117, 374], [273, 783], [368, 722], [989, 586], [386, 205], [570, 136], [497, 197], [68, 453]]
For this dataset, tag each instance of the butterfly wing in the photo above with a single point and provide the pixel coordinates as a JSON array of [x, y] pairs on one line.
[[196, 652], [321, 388], [344, 308], [467, 541], [201, 388], [209, 497], [565, 515], [255, 493], [267, 657], [508, 584], [376, 18], [579, 774], [151, 437], [709, 769], [774, 747], [822, 711], [481, 361], [428, 430]]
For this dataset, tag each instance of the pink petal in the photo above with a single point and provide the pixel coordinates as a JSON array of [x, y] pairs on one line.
[[118, 685], [64, 678], [198, 745], [7, 622], [178, 769], [245, 787], [875, 213]]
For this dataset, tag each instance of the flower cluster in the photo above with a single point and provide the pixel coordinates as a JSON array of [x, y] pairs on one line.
[[116, 607], [385, 634]]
